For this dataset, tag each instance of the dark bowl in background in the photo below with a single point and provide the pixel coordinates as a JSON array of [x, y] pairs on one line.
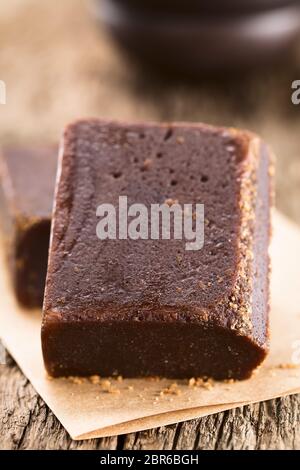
[[206, 35], [204, 6]]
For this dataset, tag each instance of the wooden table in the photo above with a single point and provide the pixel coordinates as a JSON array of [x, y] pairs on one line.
[[58, 65]]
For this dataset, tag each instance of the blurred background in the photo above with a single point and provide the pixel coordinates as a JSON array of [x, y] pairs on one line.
[[63, 60]]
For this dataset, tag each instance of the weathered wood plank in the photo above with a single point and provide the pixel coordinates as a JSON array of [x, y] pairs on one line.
[[27, 423]]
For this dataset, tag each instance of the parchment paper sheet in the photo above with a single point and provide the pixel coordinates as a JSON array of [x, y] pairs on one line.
[[101, 409]]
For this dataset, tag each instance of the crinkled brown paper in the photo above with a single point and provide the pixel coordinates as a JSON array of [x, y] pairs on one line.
[[120, 406]]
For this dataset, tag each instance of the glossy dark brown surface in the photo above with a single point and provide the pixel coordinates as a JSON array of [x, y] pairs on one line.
[[27, 177], [149, 307]]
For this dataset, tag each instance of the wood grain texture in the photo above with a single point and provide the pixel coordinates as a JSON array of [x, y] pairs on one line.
[[52, 78], [27, 423]]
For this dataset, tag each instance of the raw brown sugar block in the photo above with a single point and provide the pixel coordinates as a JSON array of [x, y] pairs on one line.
[[150, 307], [27, 180]]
